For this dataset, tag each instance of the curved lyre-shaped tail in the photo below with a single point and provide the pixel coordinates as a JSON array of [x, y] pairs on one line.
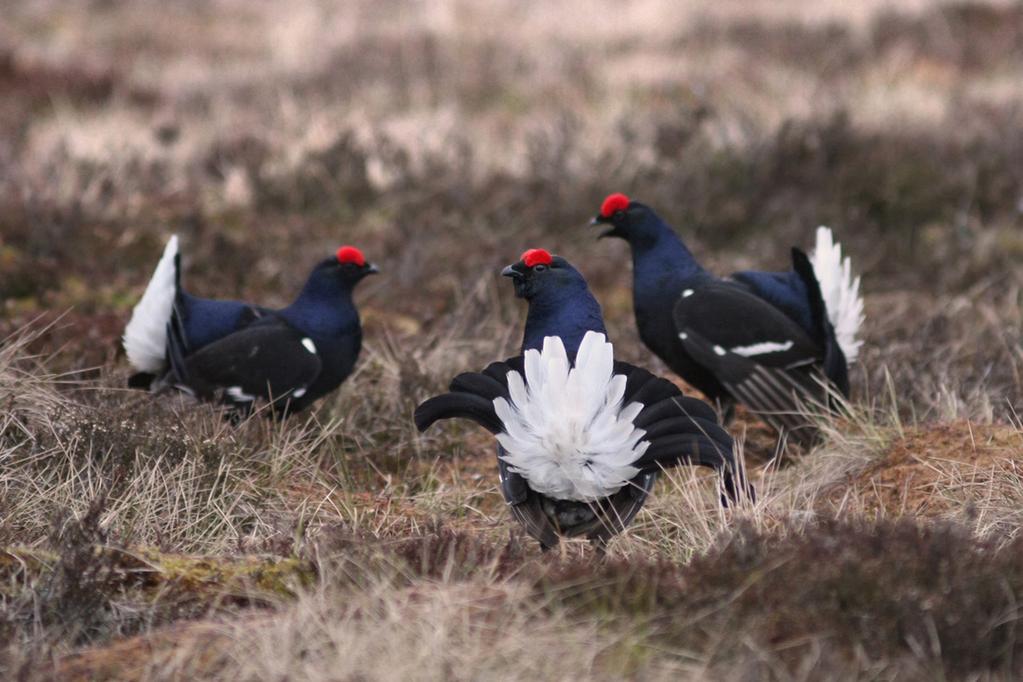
[[145, 337], [556, 439], [840, 290]]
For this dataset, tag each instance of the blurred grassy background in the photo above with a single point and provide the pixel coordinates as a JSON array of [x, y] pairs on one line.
[[444, 138], [266, 135]]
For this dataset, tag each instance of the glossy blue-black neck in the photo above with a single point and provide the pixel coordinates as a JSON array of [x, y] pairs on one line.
[[324, 307], [564, 308], [662, 264]]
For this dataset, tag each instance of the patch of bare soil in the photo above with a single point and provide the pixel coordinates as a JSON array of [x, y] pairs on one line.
[[137, 658], [934, 469]]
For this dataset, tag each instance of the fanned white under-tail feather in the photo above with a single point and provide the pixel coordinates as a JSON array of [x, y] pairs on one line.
[[840, 290], [565, 429], [145, 337]]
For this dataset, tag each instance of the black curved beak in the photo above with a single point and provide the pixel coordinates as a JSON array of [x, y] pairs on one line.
[[512, 272], [517, 272], [601, 220]]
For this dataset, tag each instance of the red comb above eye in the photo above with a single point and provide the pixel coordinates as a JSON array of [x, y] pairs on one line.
[[613, 203], [350, 254], [536, 257]]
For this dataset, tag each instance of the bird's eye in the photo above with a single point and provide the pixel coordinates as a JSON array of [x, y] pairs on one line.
[[539, 268], [619, 215]]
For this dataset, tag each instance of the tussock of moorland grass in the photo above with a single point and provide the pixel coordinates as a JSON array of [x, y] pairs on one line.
[[28, 392], [956, 469], [479, 631], [85, 588], [183, 480], [833, 598]]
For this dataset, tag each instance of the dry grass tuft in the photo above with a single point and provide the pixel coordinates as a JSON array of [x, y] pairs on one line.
[[950, 470], [150, 539]]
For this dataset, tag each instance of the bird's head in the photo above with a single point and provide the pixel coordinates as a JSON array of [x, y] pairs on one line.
[[630, 220], [348, 266], [538, 273]]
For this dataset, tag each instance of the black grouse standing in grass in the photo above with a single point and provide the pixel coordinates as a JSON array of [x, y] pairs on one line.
[[766, 339], [581, 436], [237, 352]]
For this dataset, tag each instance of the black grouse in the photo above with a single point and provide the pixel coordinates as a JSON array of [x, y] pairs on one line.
[[581, 436], [236, 352], [771, 340]]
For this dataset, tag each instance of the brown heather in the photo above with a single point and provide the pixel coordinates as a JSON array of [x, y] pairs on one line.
[[150, 539]]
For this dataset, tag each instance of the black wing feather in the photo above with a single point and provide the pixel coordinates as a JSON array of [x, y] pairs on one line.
[[458, 405], [673, 407], [685, 448], [677, 425], [479, 384], [636, 378], [698, 449], [267, 360], [499, 370], [778, 385], [728, 316], [651, 390], [777, 394], [655, 390]]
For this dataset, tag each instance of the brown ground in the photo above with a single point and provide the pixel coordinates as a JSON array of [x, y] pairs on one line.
[[934, 469], [148, 539]]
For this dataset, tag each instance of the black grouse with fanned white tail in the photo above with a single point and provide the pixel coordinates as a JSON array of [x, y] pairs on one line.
[[581, 436], [779, 342], [238, 353]]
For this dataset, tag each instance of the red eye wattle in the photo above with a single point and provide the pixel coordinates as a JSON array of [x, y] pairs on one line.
[[536, 257], [614, 203], [350, 254]]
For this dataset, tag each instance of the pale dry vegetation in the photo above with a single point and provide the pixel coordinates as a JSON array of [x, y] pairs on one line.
[[151, 539]]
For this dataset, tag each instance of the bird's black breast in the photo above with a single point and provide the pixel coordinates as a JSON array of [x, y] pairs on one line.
[[658, 331], [338, 355]]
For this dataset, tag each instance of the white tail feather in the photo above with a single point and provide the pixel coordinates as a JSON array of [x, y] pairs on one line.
[[841, 292], [565, 429], [145, 337]]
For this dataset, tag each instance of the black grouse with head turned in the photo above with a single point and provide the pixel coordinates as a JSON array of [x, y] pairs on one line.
[[771, 340], [238, 353], [581, 436]]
